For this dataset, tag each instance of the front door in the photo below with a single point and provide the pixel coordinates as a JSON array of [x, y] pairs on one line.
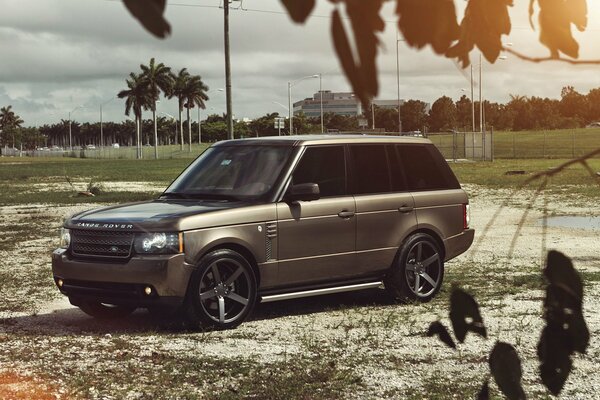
[[317, 238]]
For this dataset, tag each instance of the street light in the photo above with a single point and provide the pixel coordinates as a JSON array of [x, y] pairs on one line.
[[290, 109], [101, 130], [70, 131], [398, 40], [174, 121], [481, 107]]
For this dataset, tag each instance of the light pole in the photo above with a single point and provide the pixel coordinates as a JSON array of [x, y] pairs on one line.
[[398, 40], [70, 131], [227, 71], [101, 128], [291, 109], [173, 119], [321, 94], [481, 106]]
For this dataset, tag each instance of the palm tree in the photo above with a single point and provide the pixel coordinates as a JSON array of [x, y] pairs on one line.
[[137, 97], [195, 95], [180, 82], [157, 78], [9, 122]]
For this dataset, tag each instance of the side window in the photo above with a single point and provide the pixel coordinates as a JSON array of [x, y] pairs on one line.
[[370, 169], [425, 168], [324, 166], [396, 170]]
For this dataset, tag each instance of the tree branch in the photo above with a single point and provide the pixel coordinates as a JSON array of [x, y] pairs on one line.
[[544, 59]]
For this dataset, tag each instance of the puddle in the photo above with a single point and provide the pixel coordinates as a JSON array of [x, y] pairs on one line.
[[577, 222]]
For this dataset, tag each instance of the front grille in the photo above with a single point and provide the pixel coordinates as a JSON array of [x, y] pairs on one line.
[[106, 244]]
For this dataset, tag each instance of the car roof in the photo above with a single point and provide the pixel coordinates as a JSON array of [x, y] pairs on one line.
[[306, 140]]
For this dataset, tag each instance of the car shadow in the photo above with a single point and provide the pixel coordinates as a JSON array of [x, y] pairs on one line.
[[73, 321]]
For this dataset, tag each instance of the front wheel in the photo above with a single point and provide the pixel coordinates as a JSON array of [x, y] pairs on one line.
[[105, 311], [222, 291], [418, 271]]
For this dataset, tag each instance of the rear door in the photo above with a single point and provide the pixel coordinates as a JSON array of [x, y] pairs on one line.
[[317, 238], [384, 207], [438, 196]]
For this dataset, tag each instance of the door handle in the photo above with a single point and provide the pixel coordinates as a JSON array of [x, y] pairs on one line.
[[405, 209], [346, 214]]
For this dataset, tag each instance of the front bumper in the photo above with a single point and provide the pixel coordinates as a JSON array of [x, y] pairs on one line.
[[123, 283]]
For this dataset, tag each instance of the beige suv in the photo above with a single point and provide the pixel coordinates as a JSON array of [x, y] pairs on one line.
[[261, 220]]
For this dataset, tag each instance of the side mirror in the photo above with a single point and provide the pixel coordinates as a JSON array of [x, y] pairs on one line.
[[303, 192]]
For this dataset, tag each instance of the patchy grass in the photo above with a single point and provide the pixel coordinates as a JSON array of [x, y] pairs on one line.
[[8, 197]]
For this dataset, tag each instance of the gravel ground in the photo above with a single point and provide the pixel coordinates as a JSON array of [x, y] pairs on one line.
[[376, 348]]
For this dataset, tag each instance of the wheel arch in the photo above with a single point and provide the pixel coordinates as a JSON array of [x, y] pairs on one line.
[[435, 235], [234, 246]]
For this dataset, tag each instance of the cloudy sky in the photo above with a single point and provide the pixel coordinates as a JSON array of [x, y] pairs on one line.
[[57, 55]]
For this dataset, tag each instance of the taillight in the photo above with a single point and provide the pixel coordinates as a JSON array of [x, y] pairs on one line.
[[466, 216]]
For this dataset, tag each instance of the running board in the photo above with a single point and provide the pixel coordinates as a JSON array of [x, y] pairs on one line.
[[318, 292]]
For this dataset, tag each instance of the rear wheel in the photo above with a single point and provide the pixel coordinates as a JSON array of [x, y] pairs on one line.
[[418, 271], [105, 311], [222, 291]]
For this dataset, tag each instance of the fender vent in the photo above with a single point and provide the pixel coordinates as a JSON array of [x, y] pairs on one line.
[[271, 234]]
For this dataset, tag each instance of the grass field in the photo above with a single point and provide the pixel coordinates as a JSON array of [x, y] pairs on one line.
[[562, 143], [17, 173]]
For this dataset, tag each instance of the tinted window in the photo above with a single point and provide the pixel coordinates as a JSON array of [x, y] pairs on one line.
[[396, 170], [370, 169], [425, 168], [324, 166]]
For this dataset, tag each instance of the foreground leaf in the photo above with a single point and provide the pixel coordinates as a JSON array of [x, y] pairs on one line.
[[555, 358], [556, 18], [483, 25], [465, 316], [428, 22], [150, 15], [505, 366], [484, 393], [299, 10], [437, 328], [560, 272]]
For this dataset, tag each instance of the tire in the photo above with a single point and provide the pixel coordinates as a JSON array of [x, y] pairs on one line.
[[222, 291], [418, 270], [105, 311]]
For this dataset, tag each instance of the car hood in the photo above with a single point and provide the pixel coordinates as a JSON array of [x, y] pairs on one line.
[[151, 215]]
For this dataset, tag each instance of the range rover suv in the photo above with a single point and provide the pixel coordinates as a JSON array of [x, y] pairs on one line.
[[261, 220]]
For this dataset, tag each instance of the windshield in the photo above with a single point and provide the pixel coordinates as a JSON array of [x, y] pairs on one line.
[[231, 173]]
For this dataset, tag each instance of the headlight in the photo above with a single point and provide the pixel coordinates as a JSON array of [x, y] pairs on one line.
[[65, 238], [158, 243]]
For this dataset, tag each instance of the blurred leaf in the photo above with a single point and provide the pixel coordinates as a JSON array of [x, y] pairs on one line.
[[484, 393], [560, 272], [563, 310], [556, 17], [366, 22], [566, 330], [150, 14], [424, 22], [555, 358], [344, 53], [465, 316], [299, 10], [484, 23], [437, 328], [505, 365]]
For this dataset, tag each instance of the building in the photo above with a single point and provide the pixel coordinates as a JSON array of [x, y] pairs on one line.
[[339, 103]]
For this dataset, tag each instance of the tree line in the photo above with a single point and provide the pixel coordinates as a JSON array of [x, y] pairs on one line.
[[572, 110]]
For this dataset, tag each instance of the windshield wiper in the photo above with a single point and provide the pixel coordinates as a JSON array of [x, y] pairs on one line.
[[176, 195], [200, 196], [212, 196]]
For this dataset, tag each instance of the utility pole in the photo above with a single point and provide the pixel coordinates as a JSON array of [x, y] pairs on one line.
[[480, 95], [228, 72], [472, 100]]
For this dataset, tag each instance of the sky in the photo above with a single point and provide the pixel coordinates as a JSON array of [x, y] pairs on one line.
[[61, 56]]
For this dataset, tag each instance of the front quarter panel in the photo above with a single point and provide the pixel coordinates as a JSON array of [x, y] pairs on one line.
[[252, 236]]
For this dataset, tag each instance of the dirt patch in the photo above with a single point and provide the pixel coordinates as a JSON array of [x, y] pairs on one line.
[[17, 387]]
